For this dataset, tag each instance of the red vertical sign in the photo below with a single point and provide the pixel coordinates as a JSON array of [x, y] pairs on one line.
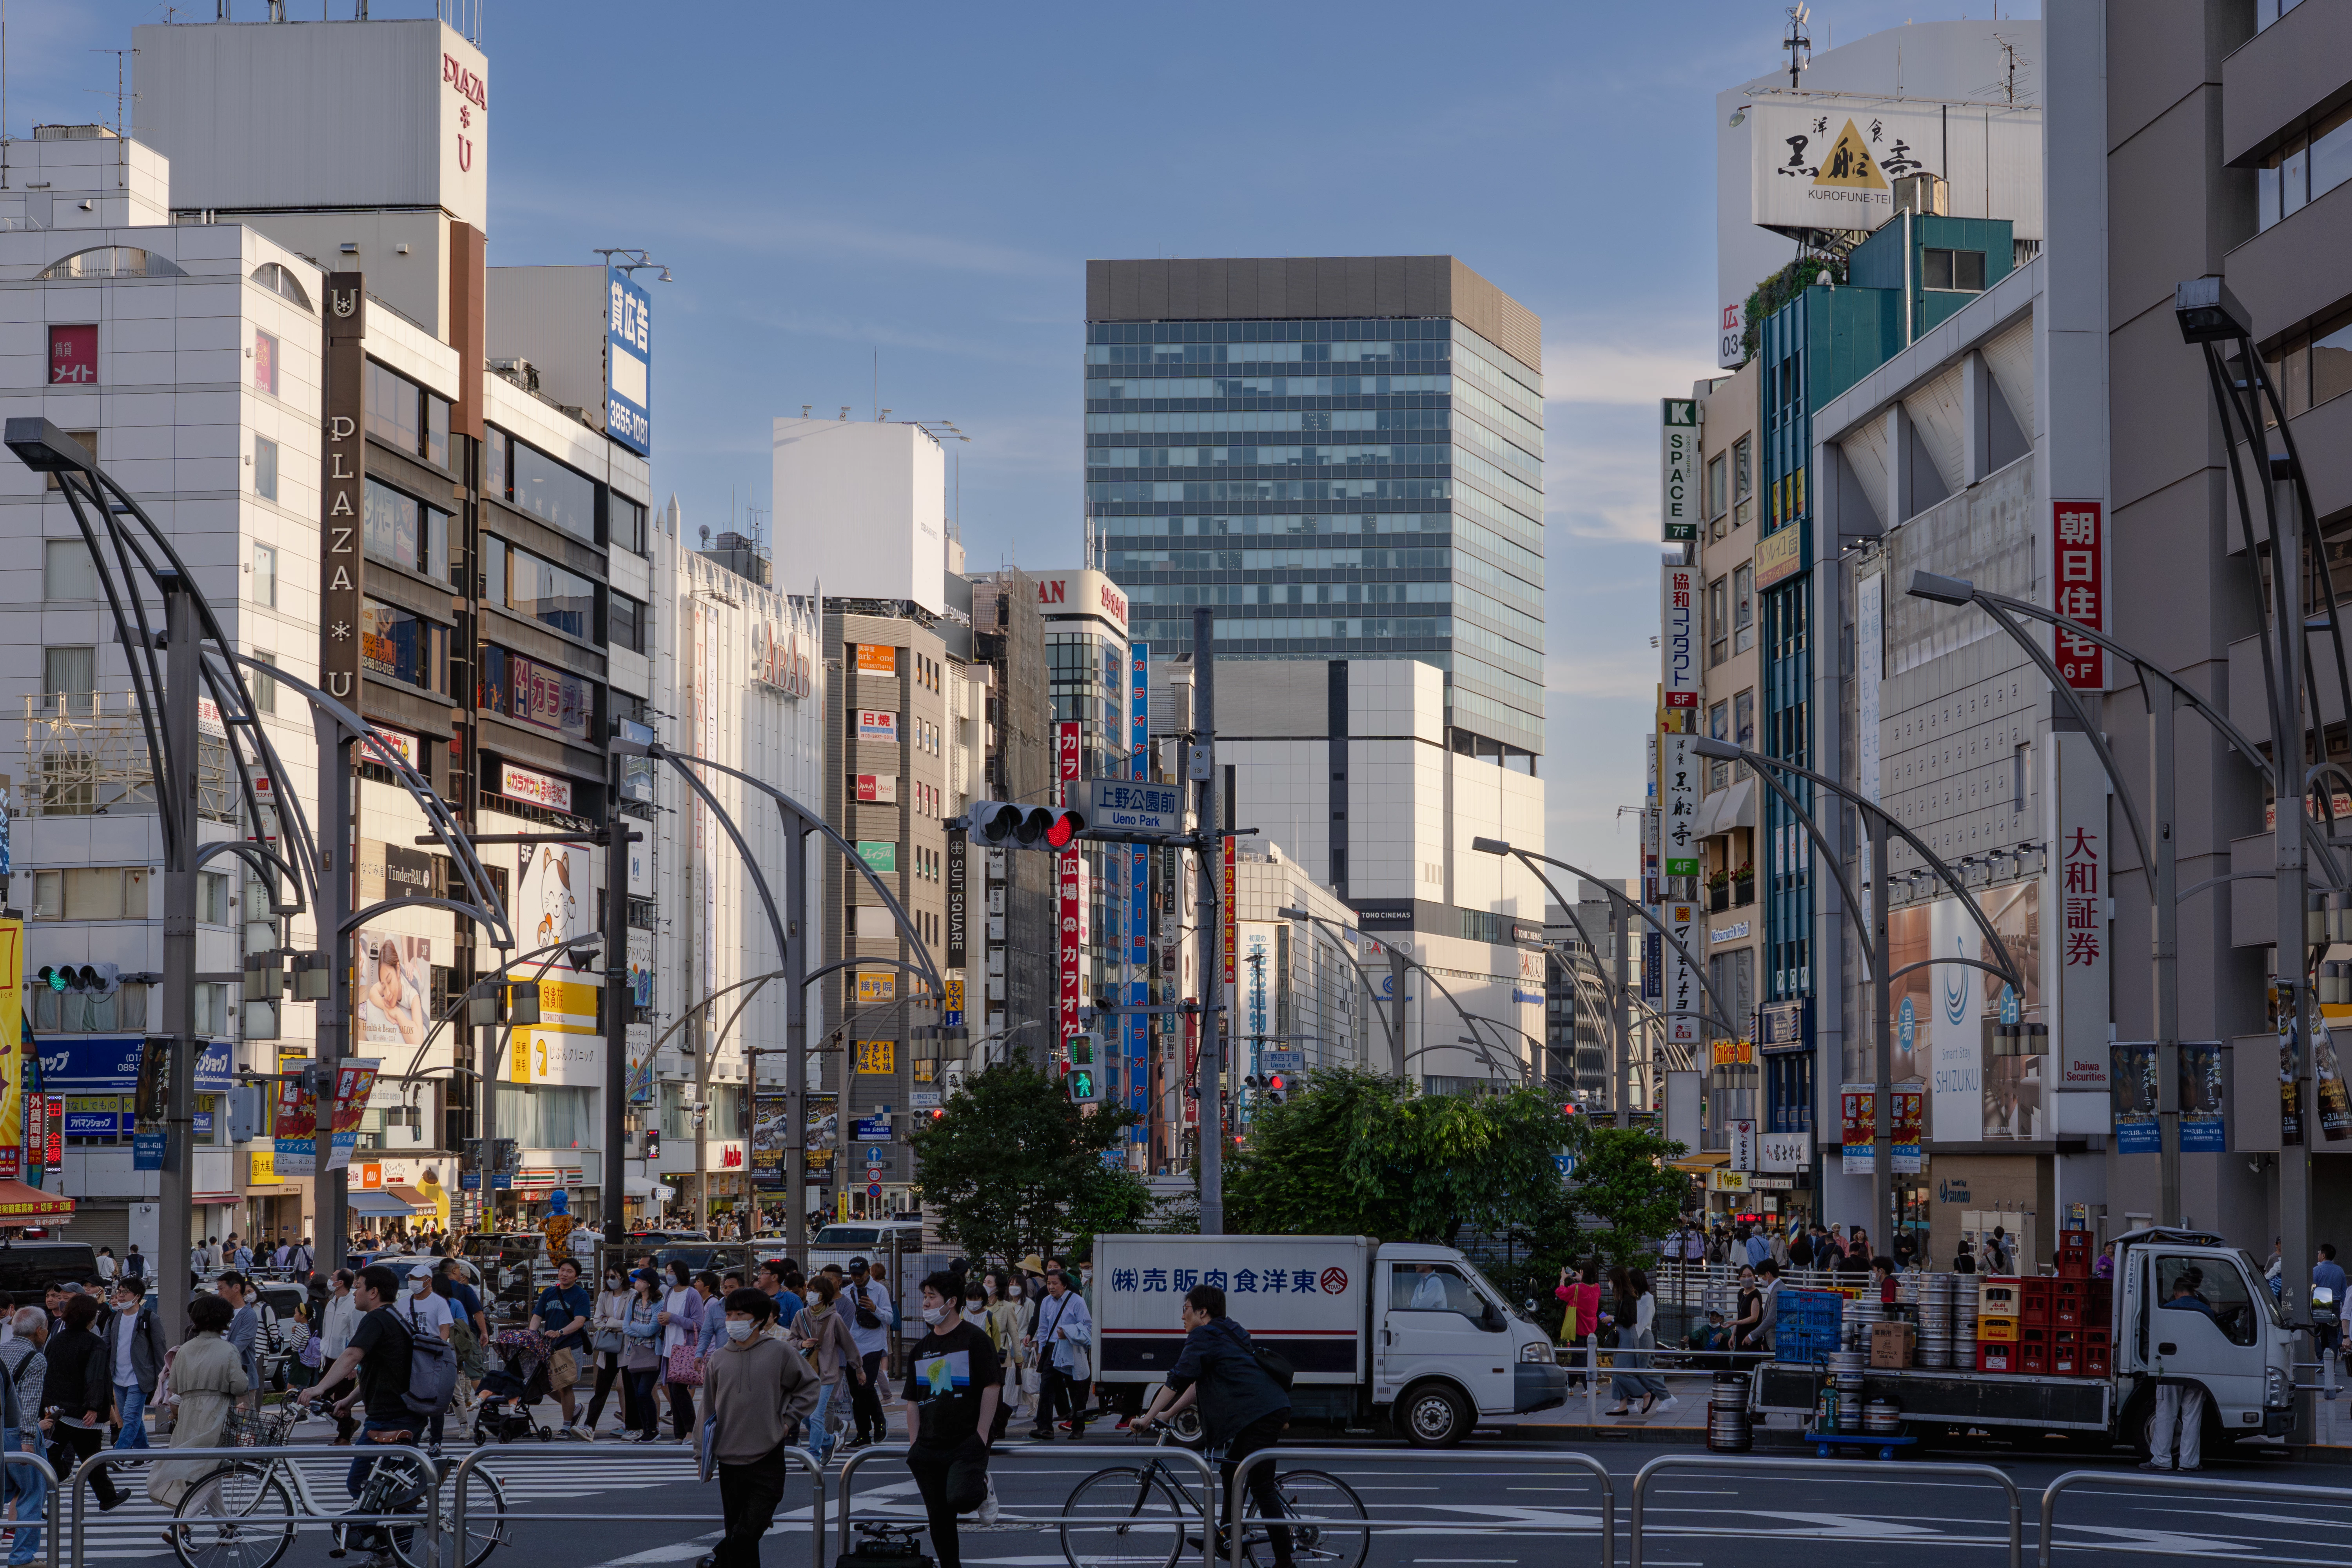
[[1233, 924], [1069, 751], [73, 356], [2079, 569]]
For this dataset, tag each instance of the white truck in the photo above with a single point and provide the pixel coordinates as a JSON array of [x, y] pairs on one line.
[[2236, 1345], [1402, 1331]]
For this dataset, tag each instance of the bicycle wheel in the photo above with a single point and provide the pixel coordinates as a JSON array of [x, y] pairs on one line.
[[485, 1522], [1123, 1517], [237, 1517], [1314, 1495]]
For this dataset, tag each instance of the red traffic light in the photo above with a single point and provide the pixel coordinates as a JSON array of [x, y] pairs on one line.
[[1065, 826], [1274, 1082]]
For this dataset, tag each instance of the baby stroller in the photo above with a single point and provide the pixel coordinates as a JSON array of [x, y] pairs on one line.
[[511, 1388]]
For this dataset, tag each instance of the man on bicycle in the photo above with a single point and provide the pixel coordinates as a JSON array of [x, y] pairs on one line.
[[380, 1350], [1243, 1408]]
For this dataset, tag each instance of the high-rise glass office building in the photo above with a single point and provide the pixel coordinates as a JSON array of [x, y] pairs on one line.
[[1342, 456]]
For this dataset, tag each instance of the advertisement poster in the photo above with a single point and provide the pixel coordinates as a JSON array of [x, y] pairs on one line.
[[2290, 1087], [2327, 1083], [2132, 1098], [1943, 1016], [354, 1083], [394, 992], [298, 1129], [772, 1139], [555, 900], [1858, 1116], [14, 1037], [2204, 1107], [824, 1135], [640, 1043], [1910, 1126], [641, 967]]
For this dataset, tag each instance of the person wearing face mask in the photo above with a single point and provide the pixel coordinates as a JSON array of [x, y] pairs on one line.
[[760, 1394], [135, 1355], [1005, 1324], [421, 1311], [954, 1384], [607, 1340]]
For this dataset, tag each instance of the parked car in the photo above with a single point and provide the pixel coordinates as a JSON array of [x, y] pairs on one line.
[[28, 1268]]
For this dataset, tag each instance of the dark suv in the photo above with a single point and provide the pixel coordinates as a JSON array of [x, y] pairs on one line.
[[27, 1269]]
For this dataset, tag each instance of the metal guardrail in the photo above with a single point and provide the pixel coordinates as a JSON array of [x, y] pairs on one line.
[[48, 1475], [1168, 1453], [1422, 1457], [78, 1489], [1853, 1467], [2159, 1481], [482, 1457]]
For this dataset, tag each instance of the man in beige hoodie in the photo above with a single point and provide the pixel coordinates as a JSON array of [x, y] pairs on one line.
[[759, 1393]]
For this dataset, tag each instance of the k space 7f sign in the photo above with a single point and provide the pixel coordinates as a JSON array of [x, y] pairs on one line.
[[1678, 467]]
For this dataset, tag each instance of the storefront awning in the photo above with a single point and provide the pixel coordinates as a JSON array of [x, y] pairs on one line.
[[1700, 1163], [378, 1205], [417, 1202], [1727, 809], [21, 1205]]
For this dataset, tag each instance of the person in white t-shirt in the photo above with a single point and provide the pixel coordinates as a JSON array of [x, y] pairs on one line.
[[423, 1310]]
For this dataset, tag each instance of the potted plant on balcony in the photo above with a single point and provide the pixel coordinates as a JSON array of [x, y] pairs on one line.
[[1718, 890], [1743, 883]]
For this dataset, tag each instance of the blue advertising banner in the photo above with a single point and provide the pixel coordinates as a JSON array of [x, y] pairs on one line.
[[628, 363], [2204, 1102], [147, 1151], [109, 1064], [2132, 1095]]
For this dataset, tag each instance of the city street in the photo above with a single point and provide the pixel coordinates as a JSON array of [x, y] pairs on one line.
[[1490, 1504]]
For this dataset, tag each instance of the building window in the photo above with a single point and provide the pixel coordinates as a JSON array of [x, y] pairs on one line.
[[1960, 270], [404, 531], [211, 898], [1719, 728], [628, 525], [1718, 622], [548, 594], [265, 467], [529, 481], [399, 645], [404, 415], [66, 569], [87, 439], [1743, 722], [68, 675], [263, 687], [265, 362], [1743, 608], [624, 623], [91, 893], [265, 575], [2017, 776]]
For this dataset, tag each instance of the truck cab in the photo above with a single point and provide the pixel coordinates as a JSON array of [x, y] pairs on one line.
[[1448, 1349], [2191, 1309]]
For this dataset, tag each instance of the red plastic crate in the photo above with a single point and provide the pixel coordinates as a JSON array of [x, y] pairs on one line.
[[2033, 1360], [2098, 1360], [2035, 1335], [2071, 1337], [1996, 1357], [2065, 1361], [2097, 1339], [2067, 1313]]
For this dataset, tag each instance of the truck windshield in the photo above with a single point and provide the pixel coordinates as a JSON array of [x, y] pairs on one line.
[[2269, 1301]]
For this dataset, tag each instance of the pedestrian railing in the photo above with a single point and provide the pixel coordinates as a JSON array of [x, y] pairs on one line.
[[2159, 1481], [1422, 1458], [48, 1477], [1199, 1502], [279, 1463], [465, 1499], [1809, 1468]]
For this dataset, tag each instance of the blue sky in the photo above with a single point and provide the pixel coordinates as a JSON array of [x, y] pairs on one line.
[[926, 181]]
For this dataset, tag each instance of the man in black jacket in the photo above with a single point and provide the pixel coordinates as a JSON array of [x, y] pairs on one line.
[[1243, 1408]]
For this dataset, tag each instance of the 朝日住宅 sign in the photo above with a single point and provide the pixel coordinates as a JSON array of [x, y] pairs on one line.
[[1678, 497], [2079, 573]]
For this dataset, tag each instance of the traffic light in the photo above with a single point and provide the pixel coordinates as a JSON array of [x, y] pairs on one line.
[[88, 979], [1083, 1080], [1025, 826], [653, 1144], [1275, 1093]]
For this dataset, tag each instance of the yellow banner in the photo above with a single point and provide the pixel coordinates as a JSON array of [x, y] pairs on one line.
[[265, 1167], [12, 1035], [882, 987], [878, 1056]]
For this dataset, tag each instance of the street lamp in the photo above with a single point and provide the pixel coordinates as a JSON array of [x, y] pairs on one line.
[[1395, 1021], [1623, 904], [1873, 937], [1398, 955]]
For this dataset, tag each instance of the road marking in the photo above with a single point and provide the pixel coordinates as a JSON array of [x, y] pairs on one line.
[[1699, 1491]]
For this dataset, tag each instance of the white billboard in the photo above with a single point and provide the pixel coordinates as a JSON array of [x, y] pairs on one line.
[[1831, 163]]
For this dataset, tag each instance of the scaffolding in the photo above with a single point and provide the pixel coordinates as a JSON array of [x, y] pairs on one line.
[[86, 755]]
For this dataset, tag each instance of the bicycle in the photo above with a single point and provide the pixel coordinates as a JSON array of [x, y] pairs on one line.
[[243, 1513], [1130, 1516]]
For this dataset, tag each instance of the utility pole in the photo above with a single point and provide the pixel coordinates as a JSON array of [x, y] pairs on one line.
[[616, 996], [2292, 966], [796, 966], [1882, 1139], [1212, 944], [1396, 994], [334, 1014], [177, 797]]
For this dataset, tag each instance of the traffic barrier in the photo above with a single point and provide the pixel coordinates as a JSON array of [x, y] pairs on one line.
[[1420, 1457], [489, 1459], [78, 1489], [2159, 1481], [48, 1498], [1841, 1467], [1168, 1453]]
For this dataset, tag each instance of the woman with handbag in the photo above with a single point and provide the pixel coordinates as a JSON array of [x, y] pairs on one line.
[[641, 1360], [820, 1334], [605, 1343], [681, 1323]]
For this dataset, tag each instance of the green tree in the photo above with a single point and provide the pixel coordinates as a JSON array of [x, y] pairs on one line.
[[1361, 1153], [1012, 1167], [1623, 1180]]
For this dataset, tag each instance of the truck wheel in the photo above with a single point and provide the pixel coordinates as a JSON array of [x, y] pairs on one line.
[[1434, 1416]]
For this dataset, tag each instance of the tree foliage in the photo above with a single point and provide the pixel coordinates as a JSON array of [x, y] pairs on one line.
[[1779, 288], [1361, 1153], [1623, 1181], [1012, 1167]]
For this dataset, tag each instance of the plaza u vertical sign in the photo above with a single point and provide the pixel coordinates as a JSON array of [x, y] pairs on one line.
[[343, 486]]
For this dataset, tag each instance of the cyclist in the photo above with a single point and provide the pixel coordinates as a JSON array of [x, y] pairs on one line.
[[379, 1352], [1243, 1407]]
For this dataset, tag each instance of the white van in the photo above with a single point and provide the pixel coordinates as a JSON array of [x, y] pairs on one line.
[[1402, 1331]]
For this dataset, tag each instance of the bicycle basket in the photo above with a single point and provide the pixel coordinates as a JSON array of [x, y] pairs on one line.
[[244, 1429]]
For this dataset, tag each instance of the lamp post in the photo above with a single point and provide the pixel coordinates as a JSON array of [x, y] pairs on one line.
[[1873, 938], [1396, 981], [1623, 904]]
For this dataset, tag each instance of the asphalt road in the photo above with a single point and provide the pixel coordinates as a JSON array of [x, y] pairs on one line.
[[1485, 1505]]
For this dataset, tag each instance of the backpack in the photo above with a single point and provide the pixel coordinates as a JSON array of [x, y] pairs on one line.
[[1275, 1364], [432, 1373]]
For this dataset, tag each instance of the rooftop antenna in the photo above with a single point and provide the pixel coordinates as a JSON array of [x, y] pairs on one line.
[[118, 84], [1796, 40], [2008, 53]]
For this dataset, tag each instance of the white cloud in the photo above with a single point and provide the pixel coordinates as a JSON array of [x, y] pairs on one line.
[[1584, 371]]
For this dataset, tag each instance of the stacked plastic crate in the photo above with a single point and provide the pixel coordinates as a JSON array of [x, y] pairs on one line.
[[1999, 1325], [1810, 1325]]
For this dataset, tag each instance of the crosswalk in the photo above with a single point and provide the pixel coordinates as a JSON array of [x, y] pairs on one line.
[[539, 1480]]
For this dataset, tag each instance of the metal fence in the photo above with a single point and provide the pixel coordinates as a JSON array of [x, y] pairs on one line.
[[1836, 1467], [2162, 1481], [280, 1462], [1200, 1501], [1420, 1459], [485, 1461]]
